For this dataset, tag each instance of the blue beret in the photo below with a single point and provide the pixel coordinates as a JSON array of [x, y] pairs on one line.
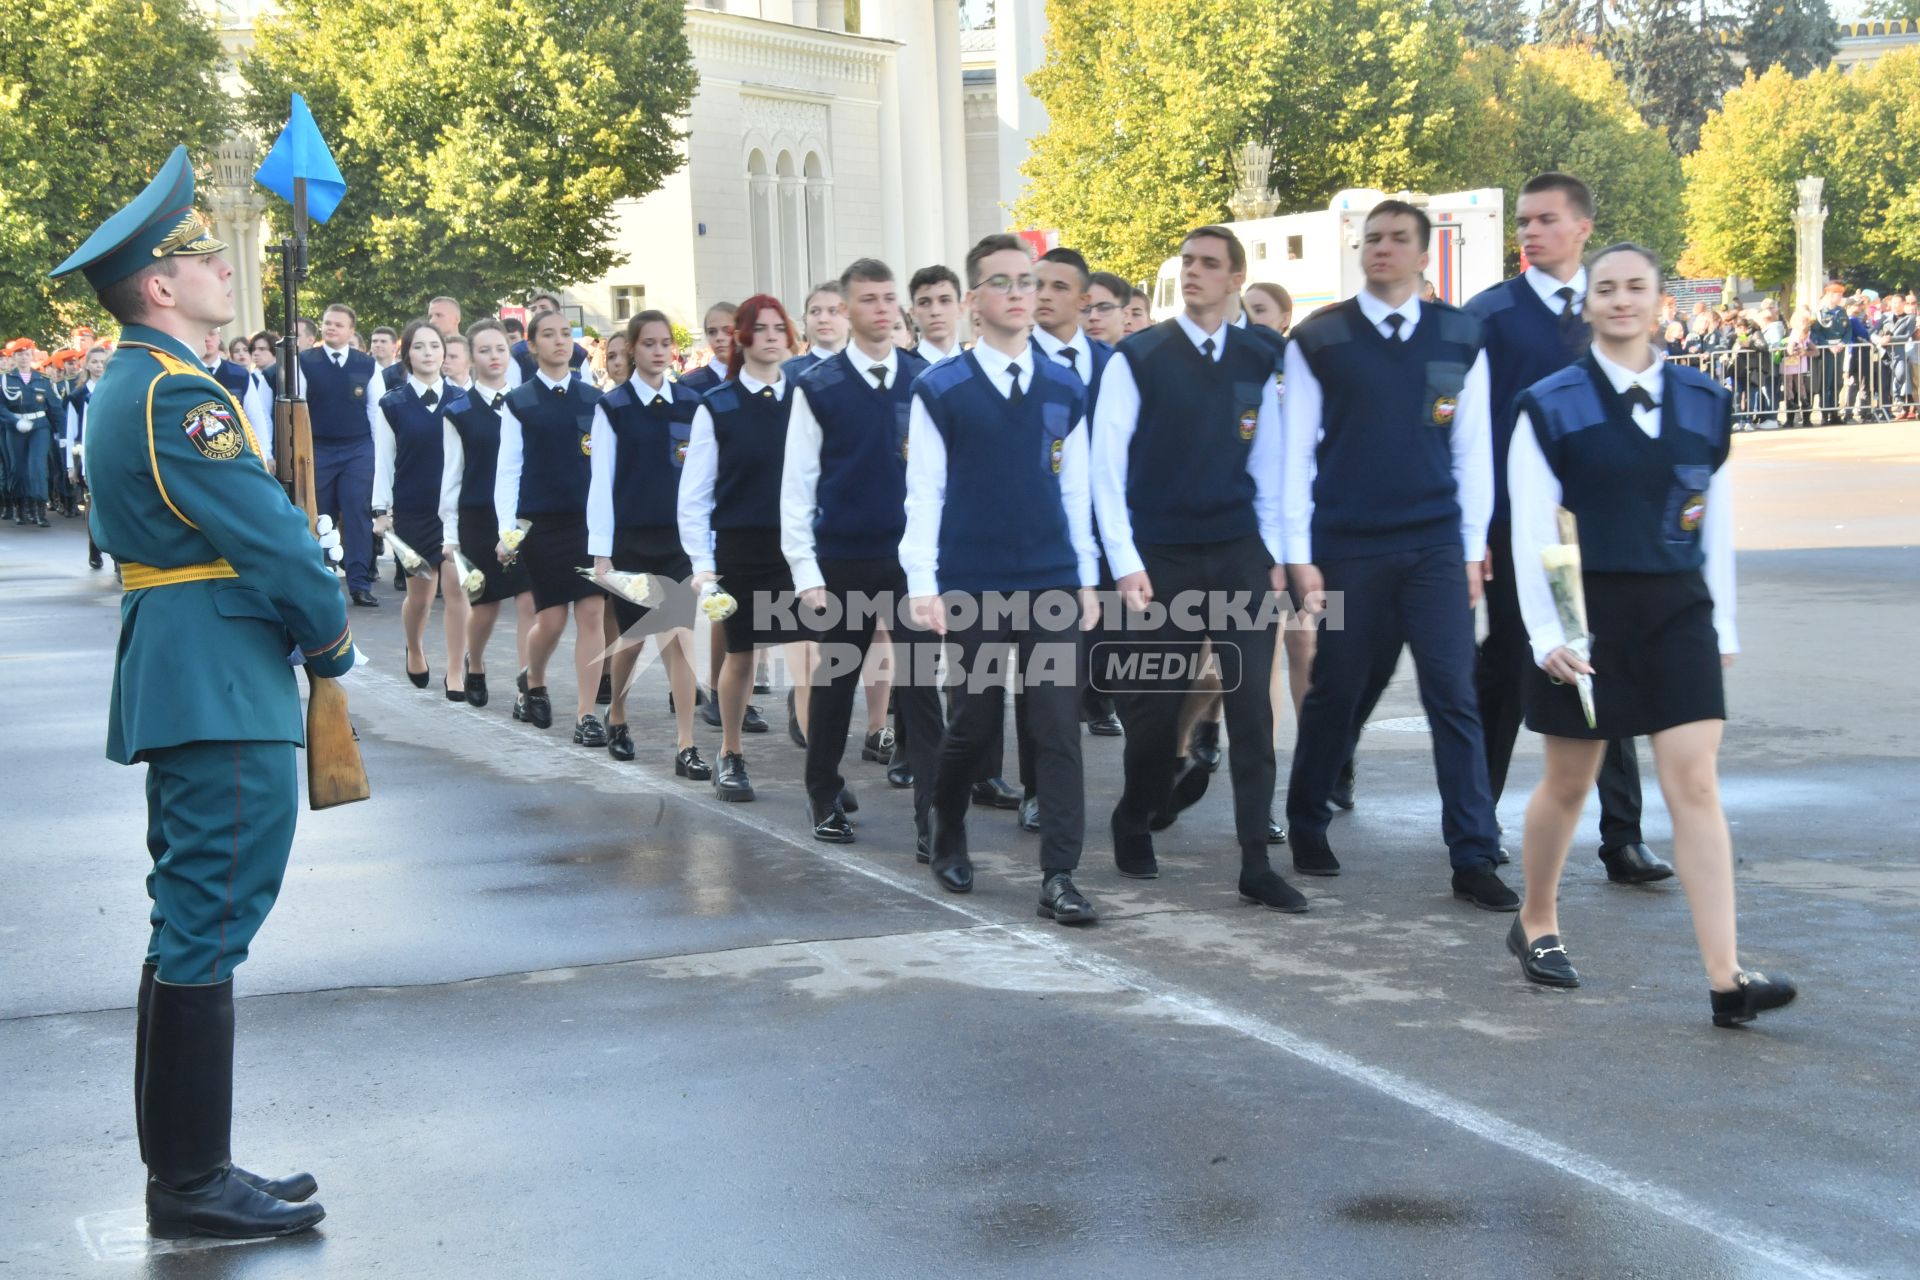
[[160, 222]]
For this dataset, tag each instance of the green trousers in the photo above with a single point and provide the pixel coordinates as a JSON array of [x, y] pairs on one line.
[[219, 827]]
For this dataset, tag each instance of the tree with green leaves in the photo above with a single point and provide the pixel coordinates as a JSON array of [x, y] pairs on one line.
[[1795, 34], [1589, 22], [1500, 24], [1677, 57], [95, 94], [1893, 9], [483, 150]]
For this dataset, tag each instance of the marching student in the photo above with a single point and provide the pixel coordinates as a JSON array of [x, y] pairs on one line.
[[718, 327], [264, 347], [383, 344], [1635, 448], [30, 405], [524, 358], [842, 511], [544, 473], [934, 293], [75, 437], [1105, 315], [343, 400], [641, 431], [253, 393], [409, 466], [729, 518], [825, 318], [1186, 487], [457, 369], [903, 334], [1270, 306], [1389, 475], [1139, 312], [472, 449], [1002, 432], [1534, 327]]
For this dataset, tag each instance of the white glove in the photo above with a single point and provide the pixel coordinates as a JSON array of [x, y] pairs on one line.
[[329, 539]]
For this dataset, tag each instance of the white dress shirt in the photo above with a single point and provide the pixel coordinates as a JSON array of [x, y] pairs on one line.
[[1082, 362], [513, 455], [386, 443], [1534, 492], [454, 450], [1549, 289], [800, 474], [376, 385], [927, 480], [1470, 439], [698, 473], [1117, 416], [600, 516]]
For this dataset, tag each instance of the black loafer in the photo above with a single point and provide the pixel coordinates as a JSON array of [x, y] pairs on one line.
[[1106, 726], [1205, 747], [589, 732], [753, 721], [794, 735], [709, 709], [900, 774], [1634, 864], [1060, 901], [476, 689], [994, 793], [534, 707], [832, 827], [1542, 959], [364, 599], [1312, 856], [619, 742], [1342, 794], [1276, 834], [1133, 857], [950, 864], [688, 764], [731, 782], [878, 747], [1029, 818], [1484, 889], [604, 695], [1754, 995], [1266, 888]]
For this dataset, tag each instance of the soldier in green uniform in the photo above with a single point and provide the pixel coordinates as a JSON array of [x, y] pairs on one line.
[[224, 588]]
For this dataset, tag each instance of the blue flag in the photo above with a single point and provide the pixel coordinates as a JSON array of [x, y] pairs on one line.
[[300, 152]]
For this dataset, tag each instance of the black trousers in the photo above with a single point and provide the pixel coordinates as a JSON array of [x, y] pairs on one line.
[[860, 588], [1415, 599], [1216, 573], [1500, 669], [1049, 664]]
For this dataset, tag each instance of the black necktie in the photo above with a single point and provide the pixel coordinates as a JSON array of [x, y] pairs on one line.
[[1568, 318], [1014, 394], [1638, 397], [339, 359], [1071, 357], [878, 373], [1394, 321], [430, 399], [1206, 348], [499, 398]]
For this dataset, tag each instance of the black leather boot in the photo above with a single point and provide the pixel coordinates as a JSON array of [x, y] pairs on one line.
[[186, 1118]]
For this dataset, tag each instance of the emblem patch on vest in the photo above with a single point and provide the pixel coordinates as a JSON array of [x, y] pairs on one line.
[[586, 446], [211, 429], [1692, 512], [1444, 408], [679, 453], [1054, 449], [1249, 420], [359, 393]]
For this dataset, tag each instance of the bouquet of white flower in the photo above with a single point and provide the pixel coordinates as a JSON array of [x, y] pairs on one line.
[[411, 562], [472, 581], [635, 588], [1562, 564], [512, 538], [716, 603]]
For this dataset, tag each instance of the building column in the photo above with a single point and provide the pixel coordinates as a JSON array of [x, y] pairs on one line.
[[893, 215], [237, 210], [1020, 37], [951, 93], [924, 200]]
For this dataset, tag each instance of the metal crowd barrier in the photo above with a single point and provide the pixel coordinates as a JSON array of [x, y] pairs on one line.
[[1854, 382]]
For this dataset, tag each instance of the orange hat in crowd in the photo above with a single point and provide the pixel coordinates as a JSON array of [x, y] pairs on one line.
[[18, 345]]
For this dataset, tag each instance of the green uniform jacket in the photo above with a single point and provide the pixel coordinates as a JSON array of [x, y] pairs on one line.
[[179, 485]]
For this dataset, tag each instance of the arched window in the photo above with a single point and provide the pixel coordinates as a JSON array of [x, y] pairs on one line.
[[819, 202], [793, 232]]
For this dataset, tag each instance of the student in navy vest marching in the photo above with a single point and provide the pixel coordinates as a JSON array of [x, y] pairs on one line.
[[343, 397], [409, 468], [543, 475], [457, 369], [1533, 327], [825, 318], [76, 437], [718, 327], [1389, 484], [1000, 532], [640, 435], [1635, 449], [525, 359], [472, 448], [383, 344], [1186, 488], [843, 497], [729, 519], [253, 393]]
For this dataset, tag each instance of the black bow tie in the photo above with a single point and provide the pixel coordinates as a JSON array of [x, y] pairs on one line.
[[1638, 397], [430, 399]]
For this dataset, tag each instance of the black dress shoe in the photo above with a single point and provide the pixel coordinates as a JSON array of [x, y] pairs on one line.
[[1501, 857], [1634, 864], [794, 735], [950, 864], [1206, 744], [900, 774], [294, 1188], [1106, 726], [731, 782], [994, 793], [1133, 857], [453, 694], [848, 802], [1342, 793], [589, 732], [1312, 856], [364, 598], [619, 742], [878, 747], [93, 559], [224, 1207], [1265, 888], [1542, 959], [710, 710], [832, 826], [1276, 834], [420, 678], [603, 696], [1029, 818], [1484, 889], [753, 721], [1190, 783], [1060, 901], [534, 707], [688, 764], [1755, 994], [476, 689]]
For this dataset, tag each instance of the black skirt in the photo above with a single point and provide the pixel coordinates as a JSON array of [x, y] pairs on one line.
[[423, 531], [554, 550], [753, 571], [1656, 660], [479, 542], [658, 552]]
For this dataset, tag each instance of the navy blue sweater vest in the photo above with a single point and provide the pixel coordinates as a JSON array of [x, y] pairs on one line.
[[77, 401], [394, 375], [1004, 526], [523, 356], [861, 501], [336, 397], [478, 425], [1187, 478], [1384, 479], [1524, 345], [1640, 502], [650, 451], [235, 378], [419, 450], [750, 451], [556, 431], [703, 379]]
